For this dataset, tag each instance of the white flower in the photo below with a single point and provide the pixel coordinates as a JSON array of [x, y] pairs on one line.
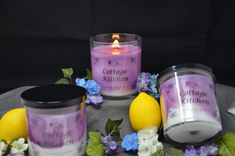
[[3, 147], [145, 149], [147, 134], [19, 146], [154, 140], [159, 146], [148, 142]]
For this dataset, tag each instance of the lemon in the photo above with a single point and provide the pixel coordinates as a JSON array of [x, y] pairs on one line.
[[163, 110], [13, 125], [144, 112]]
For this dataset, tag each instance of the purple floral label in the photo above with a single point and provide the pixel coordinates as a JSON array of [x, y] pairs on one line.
[[189, 98], [116, 72], [57, 131]]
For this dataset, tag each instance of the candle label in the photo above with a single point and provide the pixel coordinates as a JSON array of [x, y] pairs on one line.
[[189, 98], [117, 74], [59, 135]]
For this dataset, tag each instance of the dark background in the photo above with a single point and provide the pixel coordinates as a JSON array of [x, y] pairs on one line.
[[37, 38]]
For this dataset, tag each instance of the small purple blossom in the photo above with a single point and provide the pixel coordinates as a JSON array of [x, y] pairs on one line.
[[130, 142], [94, 99], [190, 151], [206, 150], [143, 82], [16, 154], [110, 143]]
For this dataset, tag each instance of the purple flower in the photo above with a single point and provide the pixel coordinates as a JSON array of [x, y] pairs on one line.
[[143, 82], [110, 144], [94, 99], [190, 151], [206, 150], [130, 142], [21, 154]]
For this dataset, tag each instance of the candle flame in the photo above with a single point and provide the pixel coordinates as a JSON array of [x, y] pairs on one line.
[[115, 36], [116, 47]]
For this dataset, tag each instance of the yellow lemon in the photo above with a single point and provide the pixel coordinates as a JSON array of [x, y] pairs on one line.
[[144, 112], [13, 125], [163, 110]]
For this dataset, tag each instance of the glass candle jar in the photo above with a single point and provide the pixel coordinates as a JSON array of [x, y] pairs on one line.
[[189, 108], [56, 120], [116, 63]]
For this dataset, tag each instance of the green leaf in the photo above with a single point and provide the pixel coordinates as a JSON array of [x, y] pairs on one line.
[[118, 122], [226, 145], [95, 137], [158, 153], [95, 147], [88, 74], [174, 152], [62, 81], [112, 128], [67, 72], [95, 150]]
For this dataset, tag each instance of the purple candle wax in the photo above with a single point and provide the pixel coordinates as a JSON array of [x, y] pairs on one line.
[[116, 68], [56, 119]]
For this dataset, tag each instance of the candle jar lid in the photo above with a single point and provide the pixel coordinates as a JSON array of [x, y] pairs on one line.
[[52, 96]]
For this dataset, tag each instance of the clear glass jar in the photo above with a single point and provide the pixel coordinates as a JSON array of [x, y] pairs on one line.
[[188, 102], [56, 120], [116, 63]]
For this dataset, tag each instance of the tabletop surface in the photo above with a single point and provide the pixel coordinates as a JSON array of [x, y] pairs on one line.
[[117, 109]]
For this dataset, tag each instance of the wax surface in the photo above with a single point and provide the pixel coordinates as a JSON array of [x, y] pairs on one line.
[[116, 72]]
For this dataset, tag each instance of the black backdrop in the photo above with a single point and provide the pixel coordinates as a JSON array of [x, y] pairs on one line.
[[37, 38]]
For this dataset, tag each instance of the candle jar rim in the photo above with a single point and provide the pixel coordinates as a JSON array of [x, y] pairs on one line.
[[53, 96], [136, 38], [185, 66]]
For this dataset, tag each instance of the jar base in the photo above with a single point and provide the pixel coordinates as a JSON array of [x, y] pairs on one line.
[[118, 95], [194, 132]]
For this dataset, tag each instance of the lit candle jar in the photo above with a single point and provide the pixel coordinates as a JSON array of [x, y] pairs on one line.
[[56, 119], [116, 63]]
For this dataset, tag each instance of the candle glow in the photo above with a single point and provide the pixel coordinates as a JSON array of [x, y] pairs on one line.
[[115, 45]]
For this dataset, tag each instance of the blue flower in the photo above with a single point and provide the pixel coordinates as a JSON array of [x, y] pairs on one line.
[[93, 90], [130, 142], [81, 82], [152, 90], [92, 87]]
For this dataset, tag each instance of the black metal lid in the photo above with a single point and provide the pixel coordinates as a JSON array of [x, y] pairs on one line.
[[53, 96], [185, 66]]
